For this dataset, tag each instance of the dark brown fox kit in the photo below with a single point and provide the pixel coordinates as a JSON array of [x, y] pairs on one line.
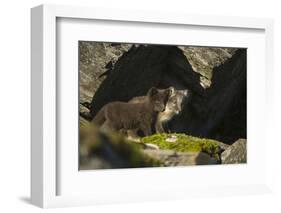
[[122, 116], [173, 107]]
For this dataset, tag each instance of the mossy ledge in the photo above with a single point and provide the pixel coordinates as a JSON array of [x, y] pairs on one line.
[[184, 143]]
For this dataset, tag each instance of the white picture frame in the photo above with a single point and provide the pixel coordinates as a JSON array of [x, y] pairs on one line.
[[44, 153]]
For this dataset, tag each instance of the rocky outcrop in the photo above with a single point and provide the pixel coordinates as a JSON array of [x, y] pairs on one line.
[[107, 150], [218, 112], [143, 67], [204, 59], [84, 112], [236, 153], [94, 60], [97, 59]]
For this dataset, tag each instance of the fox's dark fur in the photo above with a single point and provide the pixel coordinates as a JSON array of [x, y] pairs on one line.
[[122, 116]]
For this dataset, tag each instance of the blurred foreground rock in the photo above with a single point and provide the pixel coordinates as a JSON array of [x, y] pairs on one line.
[[102, 150]]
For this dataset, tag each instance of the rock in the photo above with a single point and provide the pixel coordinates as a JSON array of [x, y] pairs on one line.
[[204, 59], [151, 146], [101, 150], [84, 112], [186, 144], [173, 158], [222, 146], [83, 121], [104, 150], [93, 61], [236, 153], [172, 139], [221, 113]]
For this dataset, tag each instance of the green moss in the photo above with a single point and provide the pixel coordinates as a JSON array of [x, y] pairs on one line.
[[184, 143]]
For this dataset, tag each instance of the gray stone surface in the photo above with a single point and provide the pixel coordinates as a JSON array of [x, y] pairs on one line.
[[173, 158], [204, 59], [236, 153], [94, 57], [84, 112]]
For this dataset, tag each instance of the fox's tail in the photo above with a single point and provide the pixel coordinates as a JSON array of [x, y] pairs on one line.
[[99, 119]]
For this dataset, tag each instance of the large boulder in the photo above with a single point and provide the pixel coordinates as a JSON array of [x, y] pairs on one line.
[[221, 113], [143, 67]]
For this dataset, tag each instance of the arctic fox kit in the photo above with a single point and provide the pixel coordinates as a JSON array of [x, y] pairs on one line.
[[123, 116], [173, 107]]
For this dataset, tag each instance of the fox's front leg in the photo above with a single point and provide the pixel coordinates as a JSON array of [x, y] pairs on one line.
[[159, 127]]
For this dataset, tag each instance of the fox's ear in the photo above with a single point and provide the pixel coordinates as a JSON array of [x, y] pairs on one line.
[[153, 91]]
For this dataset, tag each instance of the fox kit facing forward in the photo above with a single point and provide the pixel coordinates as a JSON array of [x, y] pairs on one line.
[[173, 107]]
